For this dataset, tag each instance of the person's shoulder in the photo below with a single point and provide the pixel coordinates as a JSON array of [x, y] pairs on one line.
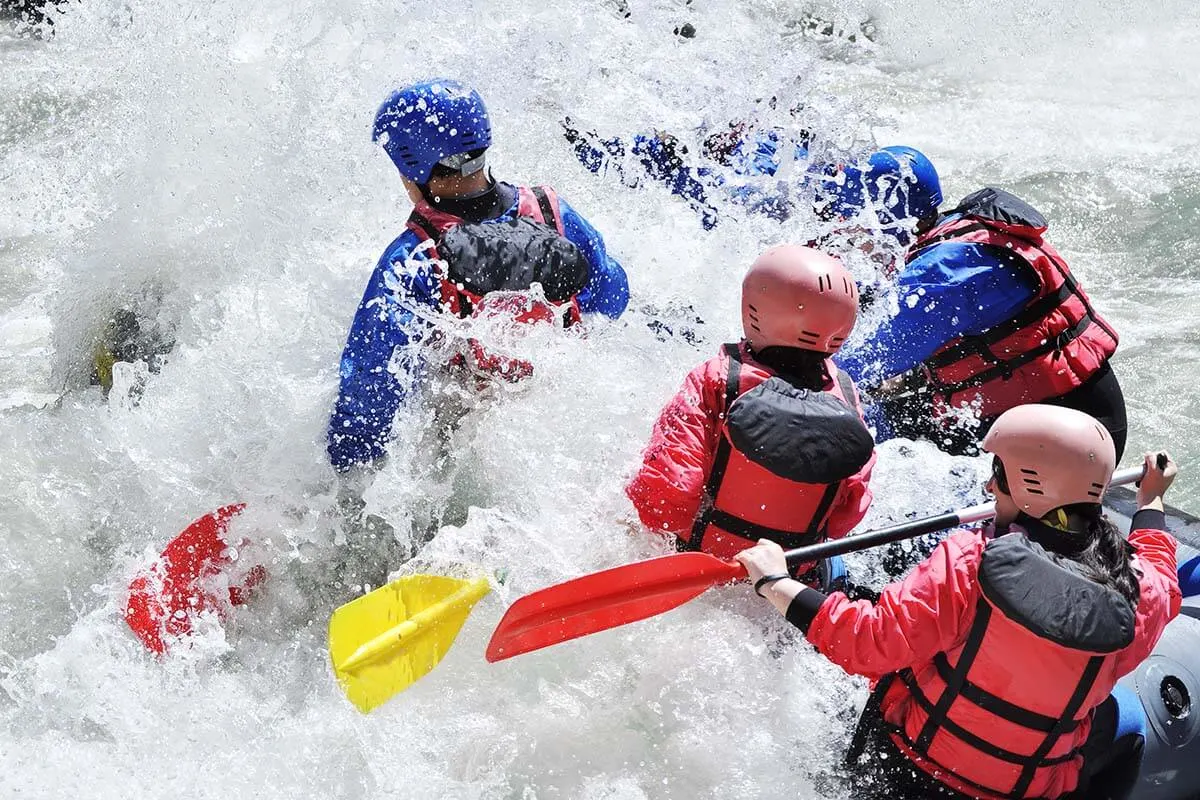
[[969, 542], [717, 366], [950, 250], [399, 250]]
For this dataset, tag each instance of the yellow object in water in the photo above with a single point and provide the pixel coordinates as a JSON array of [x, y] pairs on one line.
[[386, 640]]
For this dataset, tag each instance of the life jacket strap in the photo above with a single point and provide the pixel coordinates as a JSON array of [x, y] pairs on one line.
[[957, 686], [546, 207], [1084, 687], [1007, 368], [733, 380], [788, 540], [970, 650]]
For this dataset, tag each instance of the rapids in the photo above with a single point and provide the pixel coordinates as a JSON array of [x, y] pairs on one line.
[[208, 162]]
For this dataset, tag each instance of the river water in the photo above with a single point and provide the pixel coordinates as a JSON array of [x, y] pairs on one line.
[[208, 164]]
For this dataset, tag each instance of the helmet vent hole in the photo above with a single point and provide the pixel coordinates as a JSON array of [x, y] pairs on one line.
[[1032, 490], [824, 283], [1175, 697]]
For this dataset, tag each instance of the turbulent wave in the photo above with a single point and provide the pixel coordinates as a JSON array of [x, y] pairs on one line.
[[211, 161]]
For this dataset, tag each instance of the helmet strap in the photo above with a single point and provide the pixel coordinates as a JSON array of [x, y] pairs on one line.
[[429, 197], [1064, 541]]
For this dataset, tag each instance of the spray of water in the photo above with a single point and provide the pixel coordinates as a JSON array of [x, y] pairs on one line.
[[208, 165]]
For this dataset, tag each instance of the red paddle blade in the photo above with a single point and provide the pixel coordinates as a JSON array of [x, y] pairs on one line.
[[164, 596], [604, 600]]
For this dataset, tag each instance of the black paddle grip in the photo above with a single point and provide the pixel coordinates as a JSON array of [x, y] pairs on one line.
[[892, 533]]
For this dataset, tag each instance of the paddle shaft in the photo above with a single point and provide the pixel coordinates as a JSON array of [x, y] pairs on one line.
[[919, 527]]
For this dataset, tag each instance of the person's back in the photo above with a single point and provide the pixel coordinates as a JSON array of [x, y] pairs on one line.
[[467, 237], [766, 439], [990, 316], [994, 657], [1048, 348]]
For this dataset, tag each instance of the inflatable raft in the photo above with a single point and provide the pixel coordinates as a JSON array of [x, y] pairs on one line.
[[1167, 683]]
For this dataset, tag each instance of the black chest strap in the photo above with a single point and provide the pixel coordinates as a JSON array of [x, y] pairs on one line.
[[547, 208]]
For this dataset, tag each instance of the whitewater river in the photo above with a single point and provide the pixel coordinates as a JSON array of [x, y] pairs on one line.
[[208, 164]]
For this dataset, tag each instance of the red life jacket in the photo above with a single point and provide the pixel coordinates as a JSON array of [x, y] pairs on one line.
[[781, 459], [1042, 634], [468, 270], [1050, 347]]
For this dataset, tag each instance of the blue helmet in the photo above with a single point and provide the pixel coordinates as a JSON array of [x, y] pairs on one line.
[[434, 122], [900, 182]]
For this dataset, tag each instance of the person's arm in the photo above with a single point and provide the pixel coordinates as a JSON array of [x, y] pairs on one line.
[[915, 618], [852, 502], [669, 486], [597, 155], [1161, 596], [950, 290], [380, 364], [607, 290]]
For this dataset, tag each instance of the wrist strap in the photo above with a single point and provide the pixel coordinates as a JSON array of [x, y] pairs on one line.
[[765, 579]]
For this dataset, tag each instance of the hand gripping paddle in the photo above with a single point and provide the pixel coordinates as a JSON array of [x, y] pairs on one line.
[[618, 596]]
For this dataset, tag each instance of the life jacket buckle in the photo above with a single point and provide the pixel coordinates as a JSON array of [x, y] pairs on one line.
[[1061, 341]]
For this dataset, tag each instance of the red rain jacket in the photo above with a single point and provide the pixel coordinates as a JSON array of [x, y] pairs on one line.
[[672, 491], [989, 617]]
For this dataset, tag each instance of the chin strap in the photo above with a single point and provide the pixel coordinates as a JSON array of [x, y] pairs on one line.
[[431, 200], [1055, 532]]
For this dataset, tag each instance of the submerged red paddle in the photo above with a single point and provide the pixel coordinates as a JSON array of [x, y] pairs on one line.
[[602, 600], [605, 600], [164, 597]]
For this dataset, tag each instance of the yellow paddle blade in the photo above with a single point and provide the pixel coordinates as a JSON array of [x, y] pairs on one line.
[[383, 642]]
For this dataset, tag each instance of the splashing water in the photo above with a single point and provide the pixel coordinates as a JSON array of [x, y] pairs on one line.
[[209, 164]]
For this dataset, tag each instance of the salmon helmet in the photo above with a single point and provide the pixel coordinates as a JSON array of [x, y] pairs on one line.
[[796, 296], [1052, 456]]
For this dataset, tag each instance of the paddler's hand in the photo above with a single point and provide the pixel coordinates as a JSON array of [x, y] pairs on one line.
[[768, 571], [1160, 473], [765, 558]]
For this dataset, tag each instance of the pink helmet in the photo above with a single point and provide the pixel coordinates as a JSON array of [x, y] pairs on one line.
[[1052, 456], [795, 296]]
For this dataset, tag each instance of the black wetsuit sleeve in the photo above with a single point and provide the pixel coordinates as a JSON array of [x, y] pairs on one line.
[[1150, 519], [804, 607]]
